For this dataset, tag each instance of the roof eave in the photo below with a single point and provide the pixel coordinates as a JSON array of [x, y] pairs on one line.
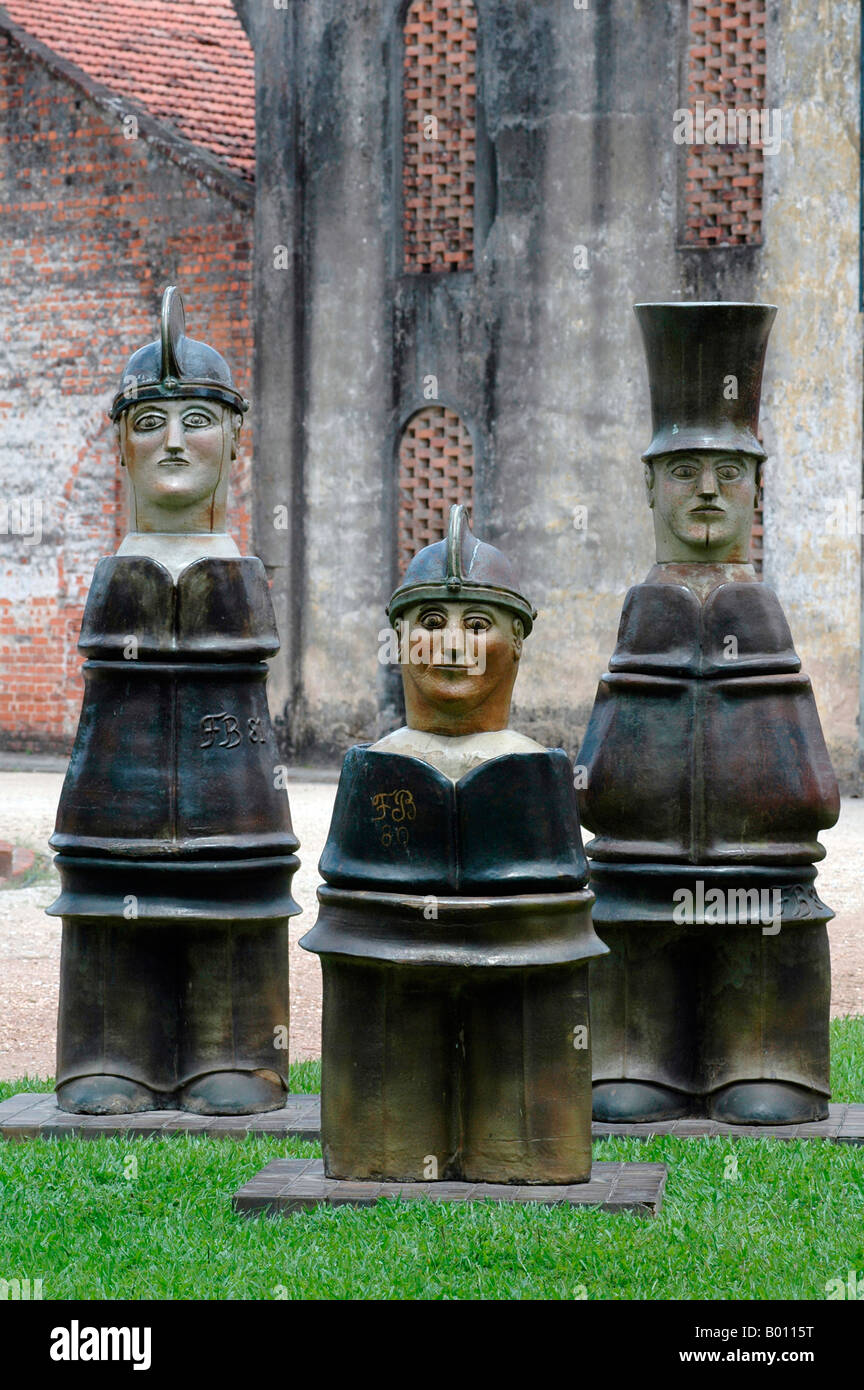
[[194, 160]]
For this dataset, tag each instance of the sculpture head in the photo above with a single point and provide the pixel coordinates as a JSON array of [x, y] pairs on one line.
[[178, 415], [703, 468], [703, 502], [461, 620]]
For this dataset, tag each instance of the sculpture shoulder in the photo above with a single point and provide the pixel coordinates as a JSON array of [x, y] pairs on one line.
[[739, 629], [509, 825], [226, 601], [392, 824], [217, 607], [519, 825]]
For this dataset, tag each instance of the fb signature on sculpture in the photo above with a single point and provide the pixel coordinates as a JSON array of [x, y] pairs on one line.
[[393, 809], [210, 728]]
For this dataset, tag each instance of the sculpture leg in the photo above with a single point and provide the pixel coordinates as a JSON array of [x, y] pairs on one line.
[[116, 1043], [233, 1031], [644, 1023], [766, 1006], [388, 1058], [526, 1075]]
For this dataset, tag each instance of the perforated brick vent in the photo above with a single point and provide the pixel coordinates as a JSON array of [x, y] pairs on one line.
[[439, 135], [436, 470], [757, 535], [726, 72], [757, 540]]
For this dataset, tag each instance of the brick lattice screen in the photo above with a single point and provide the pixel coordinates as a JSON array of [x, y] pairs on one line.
[[436, 469], [726, 71], [757, 540], [757, 535], [439, 135]]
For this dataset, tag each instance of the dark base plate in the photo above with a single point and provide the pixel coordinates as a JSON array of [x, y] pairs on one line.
[[844, 1125], [36, 1115], [291, 1184]]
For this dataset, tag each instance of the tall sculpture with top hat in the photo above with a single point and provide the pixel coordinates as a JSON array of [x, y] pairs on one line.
[[708, 779], [174, 839]]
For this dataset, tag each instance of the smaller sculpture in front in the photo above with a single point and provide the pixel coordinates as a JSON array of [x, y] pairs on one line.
[[455, 922]]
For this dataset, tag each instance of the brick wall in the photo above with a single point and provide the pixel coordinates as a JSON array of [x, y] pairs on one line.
[[436, 455], [436, 470], [726, 72], [94, 226], [439, 135]]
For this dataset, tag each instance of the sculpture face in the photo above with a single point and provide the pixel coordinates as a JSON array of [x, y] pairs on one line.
[[178, 455], [703, 505], [460, 661]]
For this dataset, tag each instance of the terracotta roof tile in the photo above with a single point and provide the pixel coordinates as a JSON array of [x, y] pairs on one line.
[[187, 62]]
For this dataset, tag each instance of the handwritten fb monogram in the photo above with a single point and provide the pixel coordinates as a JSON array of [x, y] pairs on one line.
[[230, 731], [393, 809]]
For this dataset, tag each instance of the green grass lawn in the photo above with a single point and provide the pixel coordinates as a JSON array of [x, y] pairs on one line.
[[139, 1219]]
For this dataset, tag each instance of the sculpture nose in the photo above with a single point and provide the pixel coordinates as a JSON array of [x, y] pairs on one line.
[[708, 482], [453, 640], [174, 439]]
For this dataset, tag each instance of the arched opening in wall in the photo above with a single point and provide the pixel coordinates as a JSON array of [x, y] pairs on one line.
[[439, 136], [436, 470]]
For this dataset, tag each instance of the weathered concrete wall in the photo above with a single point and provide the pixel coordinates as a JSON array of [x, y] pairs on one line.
[[542, 359], [813, 387], [94, 226], [323, 360], [571, 402]]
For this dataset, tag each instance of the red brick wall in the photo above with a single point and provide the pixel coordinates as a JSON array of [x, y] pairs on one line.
[[94, 226]]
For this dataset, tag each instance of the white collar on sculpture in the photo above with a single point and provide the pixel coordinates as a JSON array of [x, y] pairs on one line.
[[455, 756], [177, 550]]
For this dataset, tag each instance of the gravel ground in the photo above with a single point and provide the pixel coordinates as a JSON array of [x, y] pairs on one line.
[[30, 941]]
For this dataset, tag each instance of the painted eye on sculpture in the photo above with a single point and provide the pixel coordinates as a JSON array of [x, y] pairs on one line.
[[478, 624], [729, 472], [145, 424], [197, 420], [433, 620]]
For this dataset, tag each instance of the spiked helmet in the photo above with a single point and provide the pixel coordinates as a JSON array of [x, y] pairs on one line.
[[175, 367], [462, 568]]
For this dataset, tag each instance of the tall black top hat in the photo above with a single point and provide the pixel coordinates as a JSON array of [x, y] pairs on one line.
[[461, 567], [694, 352], [176, 367]]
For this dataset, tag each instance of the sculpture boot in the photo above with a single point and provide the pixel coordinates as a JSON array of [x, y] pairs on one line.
[[106, 1095], [638, 1102], [767, 1103], [233, 1093]]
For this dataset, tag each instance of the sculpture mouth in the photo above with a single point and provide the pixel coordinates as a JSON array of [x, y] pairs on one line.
[[173, 463], [707, 511]]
